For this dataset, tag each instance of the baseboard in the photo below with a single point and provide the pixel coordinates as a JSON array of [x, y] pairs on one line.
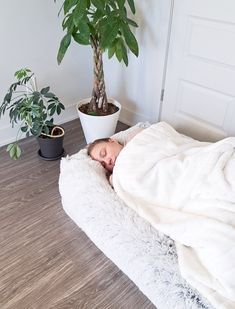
[[131, 118], [8, 134]]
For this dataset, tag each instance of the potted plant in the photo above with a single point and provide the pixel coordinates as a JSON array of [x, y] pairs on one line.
[[105, 26], [33, 110]]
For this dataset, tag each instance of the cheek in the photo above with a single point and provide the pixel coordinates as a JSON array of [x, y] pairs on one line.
[[95, 155], [118, 149]]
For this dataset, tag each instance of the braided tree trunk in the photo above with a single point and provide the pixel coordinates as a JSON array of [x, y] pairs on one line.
[[99, 98]]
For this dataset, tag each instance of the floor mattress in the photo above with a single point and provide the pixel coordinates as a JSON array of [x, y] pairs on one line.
[[146, 256]]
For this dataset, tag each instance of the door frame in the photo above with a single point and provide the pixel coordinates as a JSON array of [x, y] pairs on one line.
[[169, 34]]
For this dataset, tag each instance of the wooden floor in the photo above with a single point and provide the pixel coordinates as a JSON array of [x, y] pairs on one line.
[[46, 261]]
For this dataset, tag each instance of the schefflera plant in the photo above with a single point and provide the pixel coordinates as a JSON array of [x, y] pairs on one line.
[[30, 108], [105, 26]]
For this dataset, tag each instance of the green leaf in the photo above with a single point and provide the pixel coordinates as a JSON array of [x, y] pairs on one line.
[[113, 5], [68, 4], [49, 95], [50, 123], [33, 102], [52, 111], [120, 3], [131, 5], [88, 4], [107, 8], [22, 73], [14, 151], [79, 11], [110, 34], [124, 52], [130, 39], [99, 4], [61, 106], [92, 29], [96, 19], [26, 79], [81, 39], [118, 51], [51, 105], [111, 51], [84, 28], [9, 147], [28, 119], [64, 44], [68, 23], [14, 86], [12, 113], [36, 130], [41, 104], [17, 152], [132, 22], [46, 130], [24, 129], [36, 94], [45, 90], [58, 109], [8, 97]]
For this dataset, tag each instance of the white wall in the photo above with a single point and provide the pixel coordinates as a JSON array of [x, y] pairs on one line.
[[138, 87], [30, 32]]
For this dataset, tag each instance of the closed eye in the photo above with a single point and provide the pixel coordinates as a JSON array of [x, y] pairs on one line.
[[103, 153]]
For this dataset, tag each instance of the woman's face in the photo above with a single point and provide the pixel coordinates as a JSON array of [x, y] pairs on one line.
[[106, 153]]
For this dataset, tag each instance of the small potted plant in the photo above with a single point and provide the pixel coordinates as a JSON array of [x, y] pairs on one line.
[[105, 26], [33, 110]]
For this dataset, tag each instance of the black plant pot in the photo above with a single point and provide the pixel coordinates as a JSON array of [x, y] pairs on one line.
[[51, 148]]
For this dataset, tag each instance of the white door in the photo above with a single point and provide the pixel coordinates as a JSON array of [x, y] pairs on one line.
[[199, 98]]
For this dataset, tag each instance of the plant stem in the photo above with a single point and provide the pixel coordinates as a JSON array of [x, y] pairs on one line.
[[99, 98], [16, 97], [19, 91], [30, 89], [17, 138]]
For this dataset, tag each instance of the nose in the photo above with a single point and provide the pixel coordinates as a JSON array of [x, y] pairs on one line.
[[107, 163]]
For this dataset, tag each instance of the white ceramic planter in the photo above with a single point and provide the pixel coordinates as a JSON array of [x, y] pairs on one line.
[[98, 126]]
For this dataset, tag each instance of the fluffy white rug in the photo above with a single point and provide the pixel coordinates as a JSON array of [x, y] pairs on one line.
[[146, 256]]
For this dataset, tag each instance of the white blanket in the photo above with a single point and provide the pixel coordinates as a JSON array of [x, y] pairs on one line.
[[186, 189]]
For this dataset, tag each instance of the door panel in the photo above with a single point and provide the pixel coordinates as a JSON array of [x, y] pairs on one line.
[[199, 95]]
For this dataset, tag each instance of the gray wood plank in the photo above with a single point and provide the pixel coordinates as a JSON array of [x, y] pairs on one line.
[[46, 261]]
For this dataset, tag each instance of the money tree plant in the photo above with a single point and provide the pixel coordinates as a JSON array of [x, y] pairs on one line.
[[105, 26], [30, 108]]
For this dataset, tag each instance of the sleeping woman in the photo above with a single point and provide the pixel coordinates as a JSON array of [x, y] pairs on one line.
[[106, 151], [186, 189]]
